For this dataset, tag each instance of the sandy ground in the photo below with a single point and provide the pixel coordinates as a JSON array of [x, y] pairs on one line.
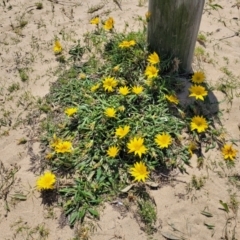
[[30, 48]]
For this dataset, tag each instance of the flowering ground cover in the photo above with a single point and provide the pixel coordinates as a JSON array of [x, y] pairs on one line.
[[121, 123], [123, 146]]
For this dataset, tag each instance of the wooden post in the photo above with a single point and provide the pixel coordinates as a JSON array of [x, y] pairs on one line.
[[173, 28]]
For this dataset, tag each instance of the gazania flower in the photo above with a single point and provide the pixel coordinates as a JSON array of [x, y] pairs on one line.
[[124, 44], [197, 91], [64, 147], [192, 147], [121, 132], [151, 72], [55, 141], [109, 24], [199, 123], [95, 87], [153, 58], [163, 140], [228, 152], [172, 98], [132, 43], [198, 77], [113, 151], [71, 111], [136, 145], [127, 44], [116, 68], [124, 90], [46, 181], [137, 89], [95, 21], [109, 84], [82, 76], [139, 172], [57, 48], [110, 112]]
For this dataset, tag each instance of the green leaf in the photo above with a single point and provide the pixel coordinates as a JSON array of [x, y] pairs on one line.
[[207, 214], [93, 212], [215, 6], [20, 197], [81, 214], [209, 226], [225, 206], [73, 218]]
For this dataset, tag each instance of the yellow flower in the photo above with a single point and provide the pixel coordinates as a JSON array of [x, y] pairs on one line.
[[124, 90], [199, 123], [198, 92], [127, 44], [124, 44], [116, 68], [110, 112], [121, 108], [82, 76], [147, 15], [132, 43], [95, 87], [192, 147], [46, 181], [139, 172], [163, 140], [95, 21], [71, 111], [49, 156], [121, 132], [136, 145], [151, 72], [109, 24], [153, 58], [109, 83], [55, 141], [228, 152], [112, 151], [172, 99], [64, 147], [198, 77], [57, 48], [137, 89]]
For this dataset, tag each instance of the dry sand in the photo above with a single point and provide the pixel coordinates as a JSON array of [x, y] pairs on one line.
[[30, 48]]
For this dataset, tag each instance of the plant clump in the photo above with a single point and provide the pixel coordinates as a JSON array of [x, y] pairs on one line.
[[122, 123]]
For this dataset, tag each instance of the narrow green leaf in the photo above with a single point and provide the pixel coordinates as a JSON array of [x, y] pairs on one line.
[[209, 226], [81, 214], [20, 196], [207, 214], [73, 218], [215, 6], [225, 206], [93, 212]]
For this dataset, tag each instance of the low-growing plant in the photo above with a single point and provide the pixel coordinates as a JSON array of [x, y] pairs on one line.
[[148, 214], [116, 119], [14, 87], [23, 74]]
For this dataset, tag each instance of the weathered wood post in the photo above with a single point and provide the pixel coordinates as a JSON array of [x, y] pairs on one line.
[[173, 28]]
